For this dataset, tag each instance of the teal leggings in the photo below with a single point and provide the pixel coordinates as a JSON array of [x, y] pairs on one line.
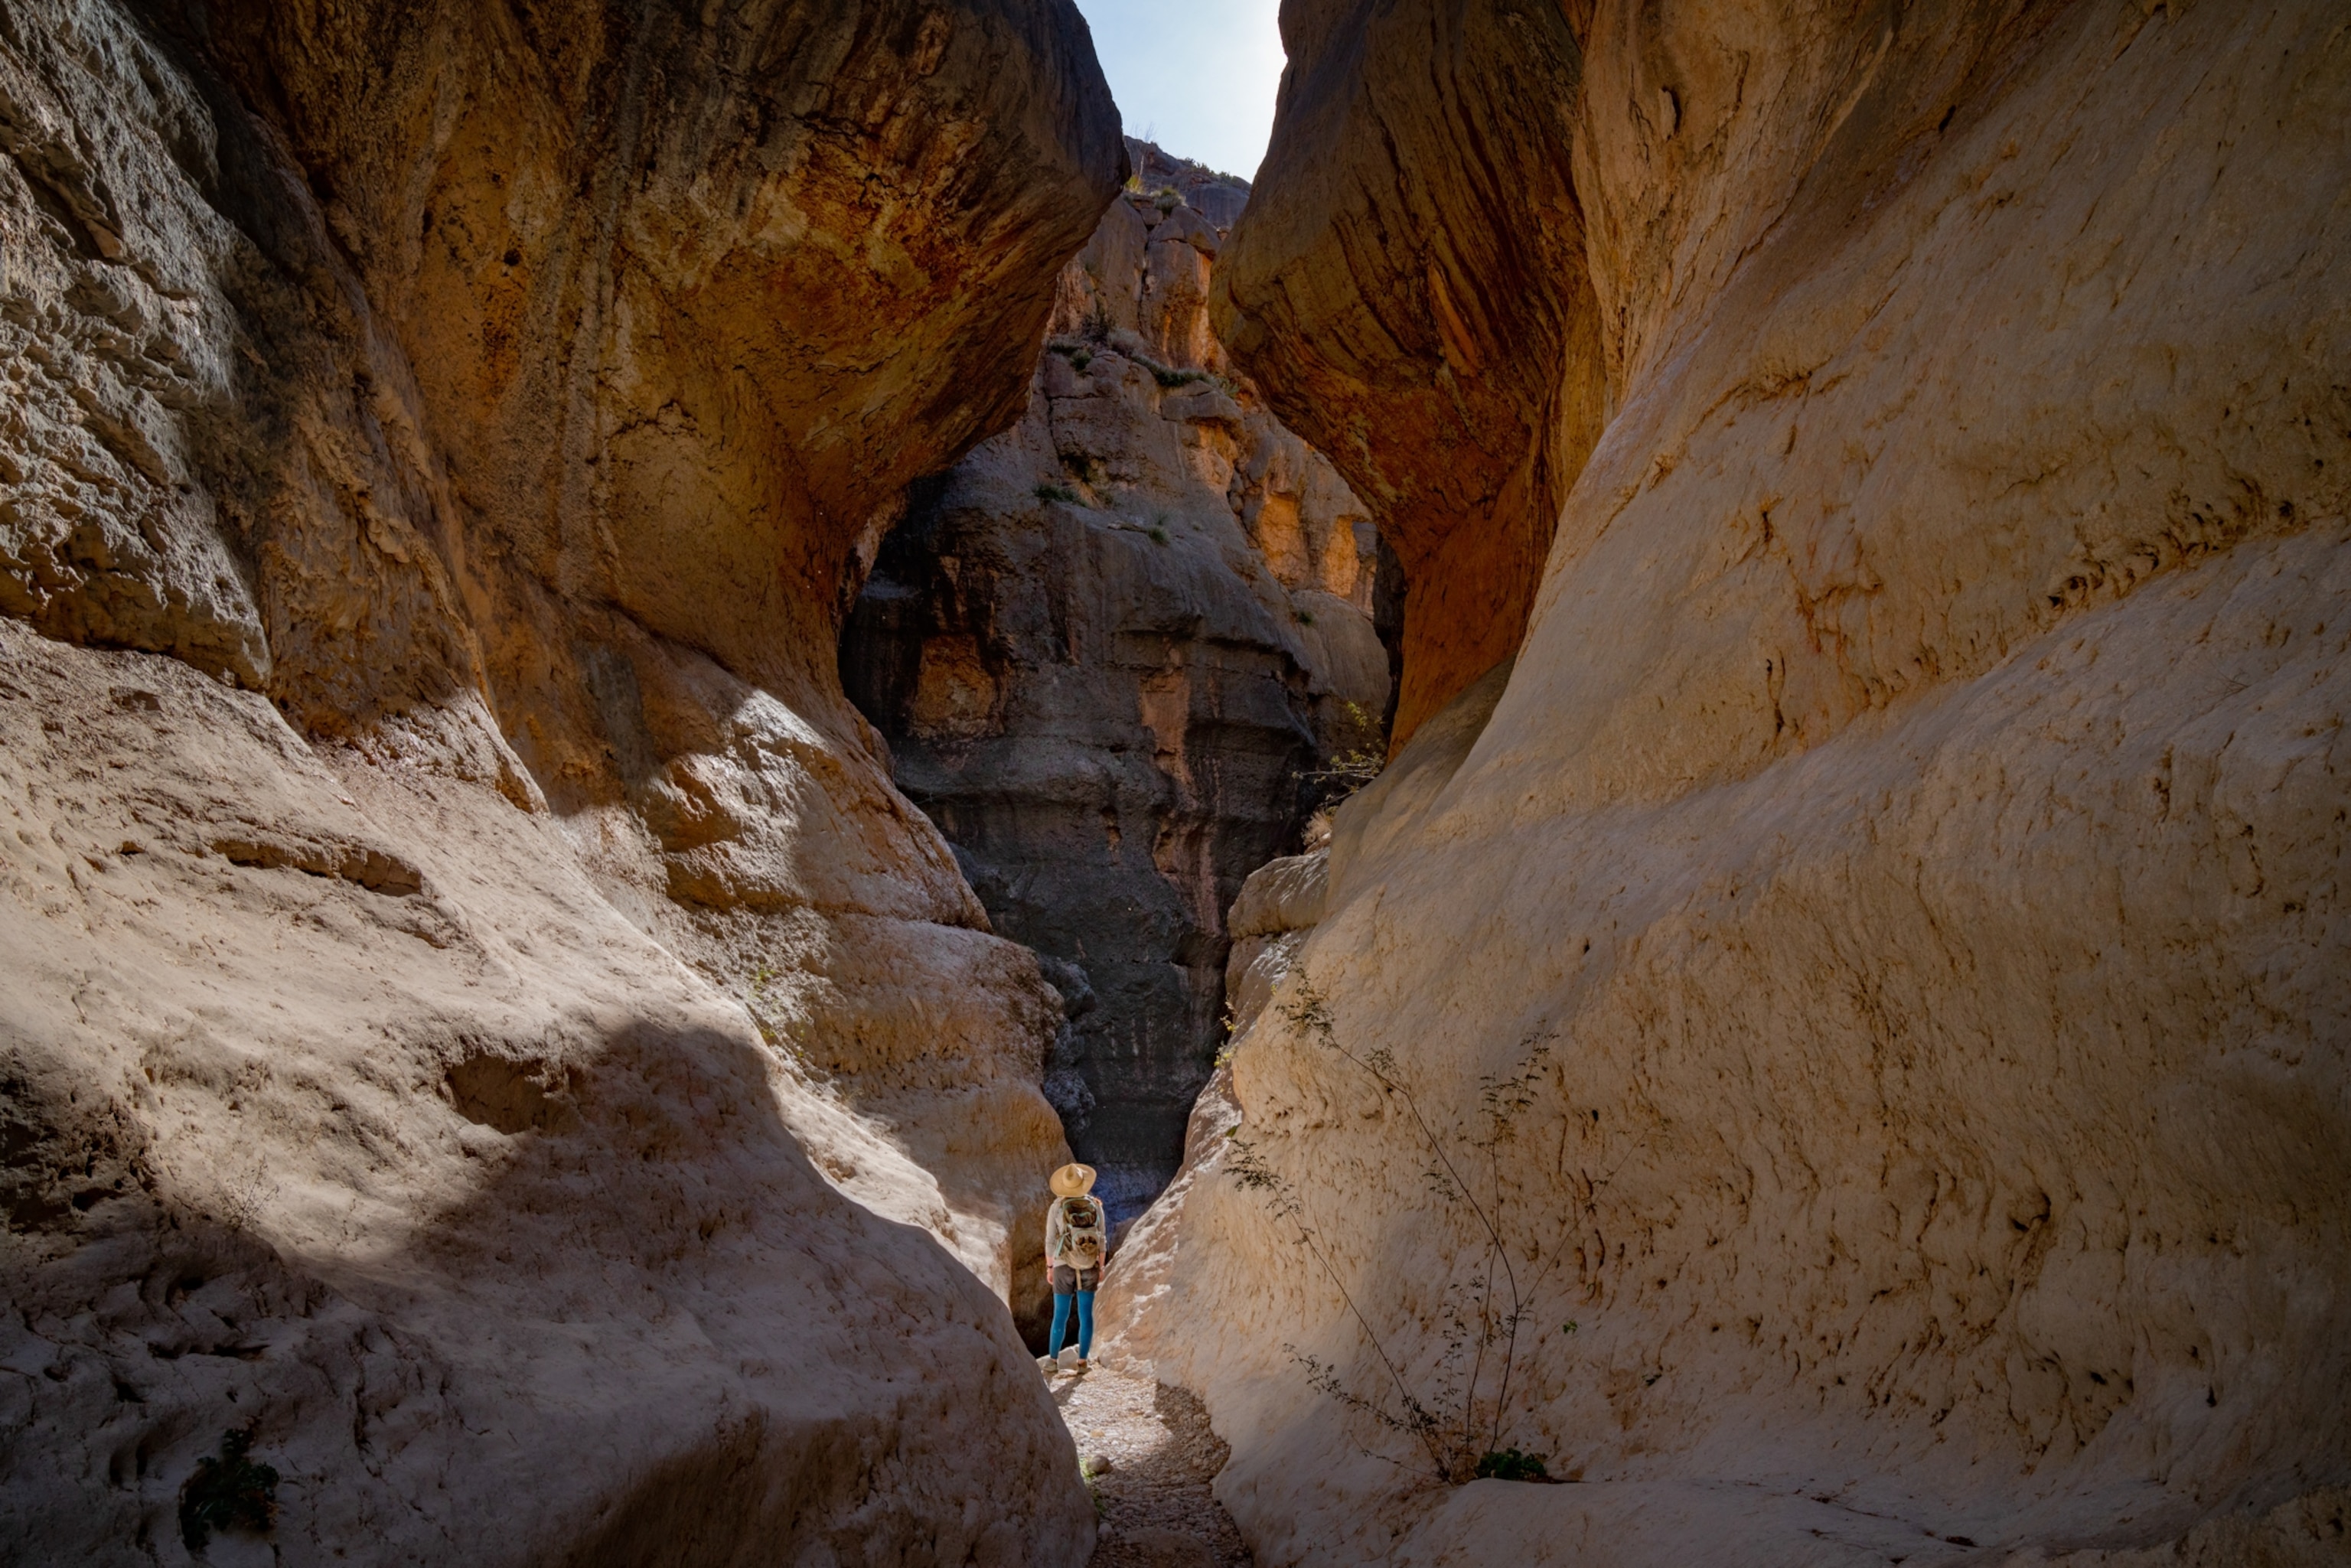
[[1062, 1322]]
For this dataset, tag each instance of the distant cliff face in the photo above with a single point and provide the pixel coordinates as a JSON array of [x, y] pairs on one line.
[[1874, 964], [460, 943], [1111, 649]]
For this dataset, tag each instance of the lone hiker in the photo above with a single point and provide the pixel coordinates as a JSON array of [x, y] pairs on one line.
[[1077, 1244]]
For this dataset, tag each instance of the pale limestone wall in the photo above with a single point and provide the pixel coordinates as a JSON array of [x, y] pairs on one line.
[[1907, 849], [341, 1102], [460, 947]]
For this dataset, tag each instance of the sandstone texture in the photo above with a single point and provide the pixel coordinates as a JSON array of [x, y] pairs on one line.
[[1279, 903], [461, 945], [1876, 958], [1414, 301], [1112, 652]]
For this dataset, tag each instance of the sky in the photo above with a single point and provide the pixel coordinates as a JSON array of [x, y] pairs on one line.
[[1198, 77]]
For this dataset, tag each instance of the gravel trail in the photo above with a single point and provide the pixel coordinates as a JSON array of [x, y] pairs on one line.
[[1157, 1511]]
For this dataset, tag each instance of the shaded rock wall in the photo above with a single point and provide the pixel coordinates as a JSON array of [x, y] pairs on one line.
[[1902, 866], [1110, 648], [1417, 303], [461, 943]]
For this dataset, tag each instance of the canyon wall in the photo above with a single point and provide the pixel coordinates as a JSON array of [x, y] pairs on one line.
[[1414, 301], [1861, 987], [1111, 649], [461, 944]]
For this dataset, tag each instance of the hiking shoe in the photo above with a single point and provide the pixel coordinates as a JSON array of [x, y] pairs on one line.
[[1049, 1365]]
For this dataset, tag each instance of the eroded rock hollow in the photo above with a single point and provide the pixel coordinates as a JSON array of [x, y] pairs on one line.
[[460, 945], [1833, 1031], [1114, 652], [1828, 1043]]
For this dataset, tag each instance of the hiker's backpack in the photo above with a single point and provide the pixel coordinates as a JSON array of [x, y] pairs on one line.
[[1084, 1243]]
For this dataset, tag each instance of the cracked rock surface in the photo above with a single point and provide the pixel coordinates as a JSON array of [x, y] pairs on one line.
[[479, 1018], [1871, 954]]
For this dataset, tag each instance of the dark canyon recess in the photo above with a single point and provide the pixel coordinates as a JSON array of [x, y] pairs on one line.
[[1115, 652]]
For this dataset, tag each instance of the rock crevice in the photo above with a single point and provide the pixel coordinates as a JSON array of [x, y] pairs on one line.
[[1112, 653]]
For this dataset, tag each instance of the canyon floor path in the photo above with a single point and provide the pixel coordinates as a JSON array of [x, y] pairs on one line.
[[1157, 1511]]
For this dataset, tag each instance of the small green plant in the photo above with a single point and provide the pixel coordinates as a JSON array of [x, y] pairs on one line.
[[1169, 376], [1081, 360], [1509, 1465], [1158, 534], [1098, 325], [1056, 493], [248, 1194], [1356, 759], [757, 1003], [228, 1492], [1305, 617]]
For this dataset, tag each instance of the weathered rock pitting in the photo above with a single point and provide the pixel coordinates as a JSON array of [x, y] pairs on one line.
[[1896, 888], [461, 944], [1110, 649], [1418, 303]]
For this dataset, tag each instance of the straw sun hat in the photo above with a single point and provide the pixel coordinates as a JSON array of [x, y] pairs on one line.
[[1070, 1181]]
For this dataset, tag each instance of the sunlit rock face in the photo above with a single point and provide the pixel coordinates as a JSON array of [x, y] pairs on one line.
[[1111, 650], [461, 945], [1891, 903]]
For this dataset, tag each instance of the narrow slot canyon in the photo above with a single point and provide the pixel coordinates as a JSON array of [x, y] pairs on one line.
[[1117, 653], [1639, 747]]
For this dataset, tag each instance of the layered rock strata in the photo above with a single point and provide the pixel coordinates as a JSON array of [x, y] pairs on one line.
[[1111, 650], [1416, 303], [1873, 969], [461, 944]]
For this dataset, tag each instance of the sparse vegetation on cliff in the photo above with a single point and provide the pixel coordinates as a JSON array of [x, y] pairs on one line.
[[1356, 761], [1460, 1414], [227, 1491]]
